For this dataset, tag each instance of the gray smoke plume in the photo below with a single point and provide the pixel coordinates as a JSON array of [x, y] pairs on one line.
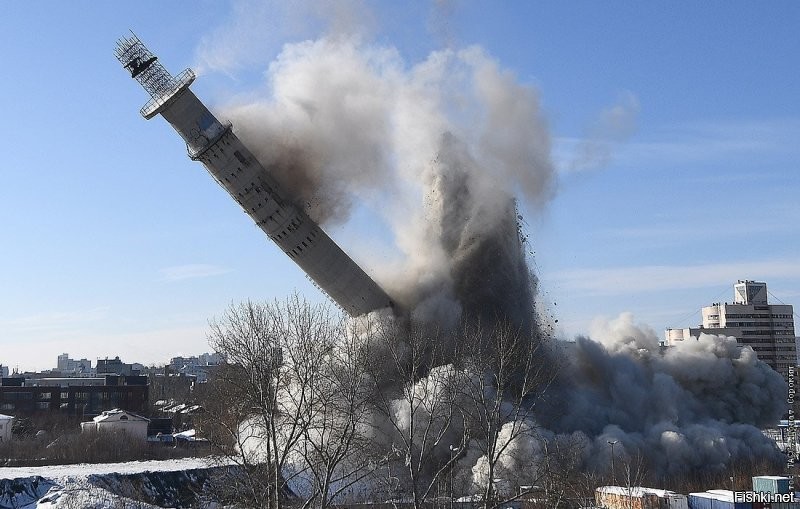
[[695, 406], [441, 149], [444, 149], [692, 408]]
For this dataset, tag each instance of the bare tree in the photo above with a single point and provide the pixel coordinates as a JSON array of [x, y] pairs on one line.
[[414, 394], [290, 407], [635, 472], [241, 478], [304, 400], [273, 352], [506, 372], [336, 447], [563, 479]]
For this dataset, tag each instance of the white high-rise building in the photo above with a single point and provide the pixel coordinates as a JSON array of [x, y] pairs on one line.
[[73, 366], [767, 328]]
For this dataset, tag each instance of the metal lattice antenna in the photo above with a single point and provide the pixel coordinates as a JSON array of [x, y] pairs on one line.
[[144, 66]]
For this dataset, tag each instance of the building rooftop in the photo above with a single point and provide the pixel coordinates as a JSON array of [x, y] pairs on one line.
[[117, 414], [637, 491]]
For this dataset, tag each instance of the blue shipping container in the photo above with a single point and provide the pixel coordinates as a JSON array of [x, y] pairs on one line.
[[698, 501], [715, 501]]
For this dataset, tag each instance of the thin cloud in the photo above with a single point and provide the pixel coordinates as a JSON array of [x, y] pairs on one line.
[[739, 179], [256, 30], [192, 271], [666, 234], [693, 149], [703, 141], [596, 282], [248, 38], [56, 320], [696, 142], [613, 126]]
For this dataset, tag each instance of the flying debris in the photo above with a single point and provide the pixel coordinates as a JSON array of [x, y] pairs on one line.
[[248, 182]]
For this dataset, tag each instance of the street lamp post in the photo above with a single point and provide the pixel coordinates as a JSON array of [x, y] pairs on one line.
[[453, 450], [612, 443]]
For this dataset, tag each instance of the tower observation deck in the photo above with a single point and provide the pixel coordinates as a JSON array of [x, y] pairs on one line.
[[234, 167]]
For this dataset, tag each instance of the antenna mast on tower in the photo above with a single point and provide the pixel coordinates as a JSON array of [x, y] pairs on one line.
[[148, 71]]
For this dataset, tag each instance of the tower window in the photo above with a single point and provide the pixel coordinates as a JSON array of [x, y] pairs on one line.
[[240, 157]]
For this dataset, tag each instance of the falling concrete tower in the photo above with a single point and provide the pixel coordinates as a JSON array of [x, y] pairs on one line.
[[235, 168]]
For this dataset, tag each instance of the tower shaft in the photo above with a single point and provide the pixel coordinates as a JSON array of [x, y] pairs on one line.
[[234, 167]]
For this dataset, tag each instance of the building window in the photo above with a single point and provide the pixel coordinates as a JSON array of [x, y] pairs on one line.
[[240, 157]]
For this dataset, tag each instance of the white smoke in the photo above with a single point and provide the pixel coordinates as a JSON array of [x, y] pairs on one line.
[[441, 148], [697, 405]]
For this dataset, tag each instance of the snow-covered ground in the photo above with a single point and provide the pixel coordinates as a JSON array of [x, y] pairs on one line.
[[85, 469], [85, 485]]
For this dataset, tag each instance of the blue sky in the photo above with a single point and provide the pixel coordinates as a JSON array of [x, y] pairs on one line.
[[115, 243]]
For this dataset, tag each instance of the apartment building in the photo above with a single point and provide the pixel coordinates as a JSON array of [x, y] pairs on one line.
[[767, 328]]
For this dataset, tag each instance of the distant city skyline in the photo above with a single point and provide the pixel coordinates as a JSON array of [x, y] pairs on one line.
[[66, 365], [673, 130]]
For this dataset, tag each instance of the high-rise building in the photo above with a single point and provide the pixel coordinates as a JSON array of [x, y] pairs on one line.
[[249, 183], [66, 365], [198, 366], [115, 366], [767, 328]]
